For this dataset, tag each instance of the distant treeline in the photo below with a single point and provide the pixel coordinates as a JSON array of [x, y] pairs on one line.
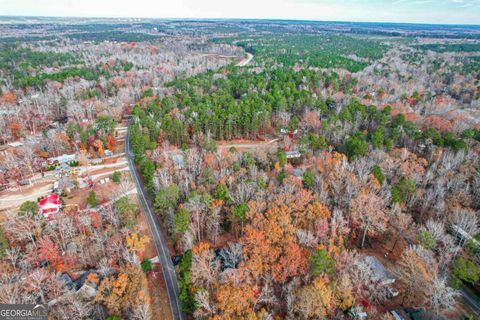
[[113, 36], [451, 47]]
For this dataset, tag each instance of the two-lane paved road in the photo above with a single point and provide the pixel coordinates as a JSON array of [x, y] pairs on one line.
[[160, 243], [164, 257]]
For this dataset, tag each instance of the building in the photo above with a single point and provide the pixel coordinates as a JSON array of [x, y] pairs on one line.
[[64, 158], [50, 205], [293, 154], [461, 235], [64, 184], [63, 170], [15, 144], [379, 273], [7, 151]]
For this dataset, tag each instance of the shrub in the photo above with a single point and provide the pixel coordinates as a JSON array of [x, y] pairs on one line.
[[240, 212], [355, 146], [92, 199], [185, 295], [222, 193], [426, 239], [28, 207], [146, 265], [116, 176], [147, 93], [378, 174], [321, 262], [167, 197], [308, 179], [73, 163], [464, 271], [3, 243], [401, 190], [182, 219], [281, 176]]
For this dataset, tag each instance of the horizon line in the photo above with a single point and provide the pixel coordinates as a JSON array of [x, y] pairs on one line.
[[245, 19]]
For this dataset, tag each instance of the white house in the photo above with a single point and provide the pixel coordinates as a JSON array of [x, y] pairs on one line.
[[64, 158]]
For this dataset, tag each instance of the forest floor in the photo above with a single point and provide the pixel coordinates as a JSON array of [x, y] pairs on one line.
[[158, 294], [244, 144]]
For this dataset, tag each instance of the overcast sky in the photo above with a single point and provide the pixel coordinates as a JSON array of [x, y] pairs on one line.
[[427, 11]]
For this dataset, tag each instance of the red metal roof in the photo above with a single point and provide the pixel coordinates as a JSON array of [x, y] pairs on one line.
[[46, 211], [50, 199]]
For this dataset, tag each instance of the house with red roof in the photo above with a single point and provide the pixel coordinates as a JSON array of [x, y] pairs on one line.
[[50, 205]]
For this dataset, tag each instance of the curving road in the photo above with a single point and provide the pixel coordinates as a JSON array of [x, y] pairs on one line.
[[245, 61], [169, 273]]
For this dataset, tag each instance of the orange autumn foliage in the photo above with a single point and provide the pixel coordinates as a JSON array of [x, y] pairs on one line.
[[327, 161], [199, 248], [236, 301], [9, 97], [61, 136], [315, 300], [98, 144], [92, 278], [49, 251], [14, 129], [111, 143], [210, 160], [216, 203], [118, 82], [137, 242], [439, 123], [270, 241], [96, 219], [278, 168], [43, 154], [294, 261], [311, 119], [122, 292]]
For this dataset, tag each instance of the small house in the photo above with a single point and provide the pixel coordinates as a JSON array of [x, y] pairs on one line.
[[50, 205], [293, 154], [461, 235], [379, 273], [15, 144], [64, 158], [63, 169]]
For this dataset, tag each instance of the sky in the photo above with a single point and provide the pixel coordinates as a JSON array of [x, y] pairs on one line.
[[415, 11]]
